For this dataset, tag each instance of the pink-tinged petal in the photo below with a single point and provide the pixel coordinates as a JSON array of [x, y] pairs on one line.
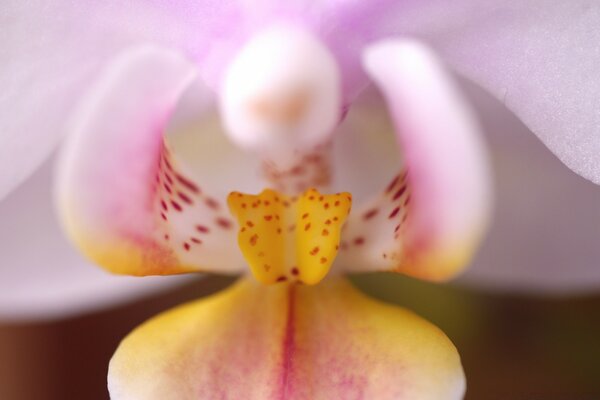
[[428, 221], [544, 236], [51, 51], [540, 58], [125, 197], [42, 277], [290, 342]]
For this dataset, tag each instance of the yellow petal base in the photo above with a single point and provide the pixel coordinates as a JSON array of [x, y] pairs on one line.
[[287, 342]]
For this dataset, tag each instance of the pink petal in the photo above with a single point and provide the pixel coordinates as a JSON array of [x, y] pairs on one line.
[[50, 52], [42, 276], [291, 342], [430, 218], [540, 58], [125, 197], [544, 237]]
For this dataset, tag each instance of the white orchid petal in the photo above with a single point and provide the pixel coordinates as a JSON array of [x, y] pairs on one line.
[[429, 220], [42, 276], [540, 58], [50, 52], [544, 237], [125, 196]]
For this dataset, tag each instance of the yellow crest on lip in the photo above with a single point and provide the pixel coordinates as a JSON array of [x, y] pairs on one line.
[[289, 238]]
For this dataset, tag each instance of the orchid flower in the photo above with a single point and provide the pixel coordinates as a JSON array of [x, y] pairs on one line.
[[172, 133], [140, 202]]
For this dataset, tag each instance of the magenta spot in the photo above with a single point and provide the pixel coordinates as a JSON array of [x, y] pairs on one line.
[[168, 188], [392, 184], [224, 223], [370, 214], [399, 193], [394, 212], [176, 205], [187, 183], [202, 229], [196, 240], [163, 205], [184, 198], [186, 246], [212, 203]]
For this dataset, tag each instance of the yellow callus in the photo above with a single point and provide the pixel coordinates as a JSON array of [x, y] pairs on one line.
[[287, 238]]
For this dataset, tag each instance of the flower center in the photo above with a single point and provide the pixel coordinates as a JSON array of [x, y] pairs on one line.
[[289, 238], [281, 94]]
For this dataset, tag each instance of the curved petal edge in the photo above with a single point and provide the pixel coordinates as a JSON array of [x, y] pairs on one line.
[[287, 341]]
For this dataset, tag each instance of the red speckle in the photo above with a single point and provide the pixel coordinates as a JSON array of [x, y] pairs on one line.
[[163, 205], [307, 227], [281, 279], [295, 271], [202, 229], [187, 183], [167, 163], [359, 240], [326, 205], [176, 205], [399, 193], [392, 184], [186, 246], [223, 223], [212, 203], [166, 236], [394, 212], [337, 203], [328, 222], [168, 188], [325, 232], [323, 260], [268, 217], [370, 214], [196, 240], [305, 216], [184, 198], [407, 201], [250, 224], [163, 216], [253, 240], [314, 251]]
